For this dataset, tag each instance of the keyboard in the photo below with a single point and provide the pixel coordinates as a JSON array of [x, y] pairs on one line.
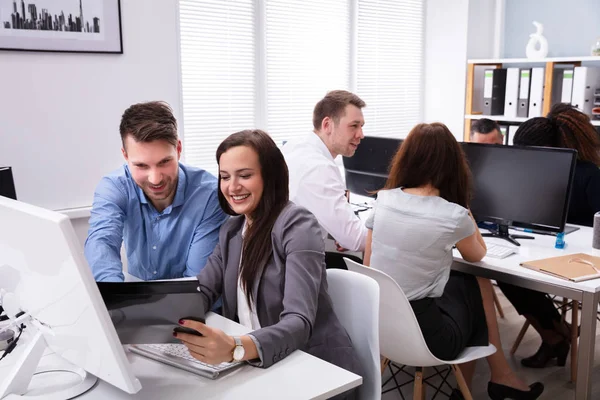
[[178, 356], [497, 251]]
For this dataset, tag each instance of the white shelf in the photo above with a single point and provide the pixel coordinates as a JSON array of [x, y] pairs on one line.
[[528, 61], [502, 118], [496, 118]]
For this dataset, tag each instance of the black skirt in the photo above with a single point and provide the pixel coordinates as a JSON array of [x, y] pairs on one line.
[[454, 321]]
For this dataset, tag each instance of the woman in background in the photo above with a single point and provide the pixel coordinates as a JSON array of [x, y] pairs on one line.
[[268, 267], [564, 127], [418, 217]]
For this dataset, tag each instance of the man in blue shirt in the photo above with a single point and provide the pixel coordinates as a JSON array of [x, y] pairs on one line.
[[167, 214]]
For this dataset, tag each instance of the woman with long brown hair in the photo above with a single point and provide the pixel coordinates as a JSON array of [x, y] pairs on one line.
[[422, 212], [269, 267]]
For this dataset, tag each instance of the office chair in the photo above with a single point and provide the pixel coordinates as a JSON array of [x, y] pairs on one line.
[[397, 320]]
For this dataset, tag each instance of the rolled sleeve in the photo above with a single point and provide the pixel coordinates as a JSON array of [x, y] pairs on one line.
[[102, 247], [323, 194]]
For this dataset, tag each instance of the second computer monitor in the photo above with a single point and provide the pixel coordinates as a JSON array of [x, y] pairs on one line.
[[528, 187], [367, 170]]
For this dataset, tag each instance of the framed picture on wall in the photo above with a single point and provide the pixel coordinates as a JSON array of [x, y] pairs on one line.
[[78, 26]]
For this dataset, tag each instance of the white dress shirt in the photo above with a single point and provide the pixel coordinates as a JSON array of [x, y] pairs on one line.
[[317, 185]]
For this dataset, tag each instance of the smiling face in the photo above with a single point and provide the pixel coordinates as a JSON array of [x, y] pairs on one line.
[[344, 136], [154, 168], [241, 180]]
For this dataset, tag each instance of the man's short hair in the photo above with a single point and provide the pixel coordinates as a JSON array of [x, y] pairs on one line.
[[484, 126], [333, 105], [147, 122]]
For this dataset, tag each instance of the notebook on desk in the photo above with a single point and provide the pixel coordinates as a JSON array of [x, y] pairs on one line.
[[573, 267]]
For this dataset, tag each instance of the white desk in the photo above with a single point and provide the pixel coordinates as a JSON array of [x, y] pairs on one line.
[[587, 292], [299, 376]]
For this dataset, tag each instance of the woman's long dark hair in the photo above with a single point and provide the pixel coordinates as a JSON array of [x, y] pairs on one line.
[[566, 127], [431, 155], [257, 248]]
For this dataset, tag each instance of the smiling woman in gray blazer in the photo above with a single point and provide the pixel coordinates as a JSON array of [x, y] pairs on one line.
[[269, 267]]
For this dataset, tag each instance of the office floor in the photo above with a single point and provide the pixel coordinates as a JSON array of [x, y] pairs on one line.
[[555, 379]]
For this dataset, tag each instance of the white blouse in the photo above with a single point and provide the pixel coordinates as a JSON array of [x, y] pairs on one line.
[[246, 312]]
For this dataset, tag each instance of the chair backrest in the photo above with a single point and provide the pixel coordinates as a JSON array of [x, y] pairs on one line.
[[355, 299], [400, 337]]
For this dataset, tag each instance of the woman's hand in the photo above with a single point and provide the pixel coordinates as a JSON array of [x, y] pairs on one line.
[[213, 347]]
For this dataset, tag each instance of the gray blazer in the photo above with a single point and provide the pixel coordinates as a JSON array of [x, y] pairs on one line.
[[293, 306]]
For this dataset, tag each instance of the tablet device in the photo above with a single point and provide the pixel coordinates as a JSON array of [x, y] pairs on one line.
[[147, 312]]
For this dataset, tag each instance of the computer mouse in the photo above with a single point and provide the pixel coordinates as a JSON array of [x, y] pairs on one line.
[[183, 329]]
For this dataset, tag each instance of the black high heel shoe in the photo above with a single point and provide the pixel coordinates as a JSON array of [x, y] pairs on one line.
[[546, 353], [501, 392]]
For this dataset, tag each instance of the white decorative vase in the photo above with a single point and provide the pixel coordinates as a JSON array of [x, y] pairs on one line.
[[537, 39]]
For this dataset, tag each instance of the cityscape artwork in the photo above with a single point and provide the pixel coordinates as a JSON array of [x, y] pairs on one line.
[[89, 26]]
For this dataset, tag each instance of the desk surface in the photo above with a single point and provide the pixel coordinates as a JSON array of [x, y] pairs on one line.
[[542, 246], [299, 376]]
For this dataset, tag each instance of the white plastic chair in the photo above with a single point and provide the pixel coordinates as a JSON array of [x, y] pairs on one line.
[[400, 337], [355, 299]]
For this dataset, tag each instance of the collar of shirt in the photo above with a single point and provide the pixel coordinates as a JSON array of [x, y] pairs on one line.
[[316, 141], [179, 198]]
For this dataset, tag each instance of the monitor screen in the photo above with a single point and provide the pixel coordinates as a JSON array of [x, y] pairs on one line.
[[7, 184], [44, 274], [367, 170], [528, 187]]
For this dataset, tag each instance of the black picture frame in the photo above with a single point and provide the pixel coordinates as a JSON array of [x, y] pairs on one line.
[[53, 26]]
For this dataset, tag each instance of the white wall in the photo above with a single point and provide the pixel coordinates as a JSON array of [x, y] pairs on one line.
[[60, 113], [445, 62], [570, 27], [454, 32]]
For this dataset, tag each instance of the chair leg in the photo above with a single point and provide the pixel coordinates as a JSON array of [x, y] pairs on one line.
[[460, 379], [519, 338], [498, 305], [419, 390], [574, 347], [384, 363]]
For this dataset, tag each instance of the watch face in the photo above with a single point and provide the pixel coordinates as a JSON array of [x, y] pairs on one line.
[[238, 353]]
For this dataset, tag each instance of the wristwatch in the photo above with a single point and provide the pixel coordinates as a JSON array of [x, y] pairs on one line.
[[238, 350]]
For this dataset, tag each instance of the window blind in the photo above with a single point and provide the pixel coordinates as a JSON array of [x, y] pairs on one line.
[[217, 74], [390, 64], [307, 55]]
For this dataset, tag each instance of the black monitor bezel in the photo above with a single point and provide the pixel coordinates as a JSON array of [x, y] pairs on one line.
[[528, 225]]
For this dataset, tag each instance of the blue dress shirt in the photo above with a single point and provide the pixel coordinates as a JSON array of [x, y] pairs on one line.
[[171, 244]]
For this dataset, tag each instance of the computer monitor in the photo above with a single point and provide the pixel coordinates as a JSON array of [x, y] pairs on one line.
[[7, 183], [44, 274], [528, 187], [367, 170]]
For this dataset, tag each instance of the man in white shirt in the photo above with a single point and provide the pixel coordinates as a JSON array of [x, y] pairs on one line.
[[316, 182]]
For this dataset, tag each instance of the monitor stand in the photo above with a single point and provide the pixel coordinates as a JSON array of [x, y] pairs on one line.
[[16, 384], [502, 233]]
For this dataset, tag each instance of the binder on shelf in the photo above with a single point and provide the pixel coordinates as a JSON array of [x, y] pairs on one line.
[[512, 92], [536, 92], [524, 82], [512, 129], [567, 86], [494, 91], [585, 82]]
